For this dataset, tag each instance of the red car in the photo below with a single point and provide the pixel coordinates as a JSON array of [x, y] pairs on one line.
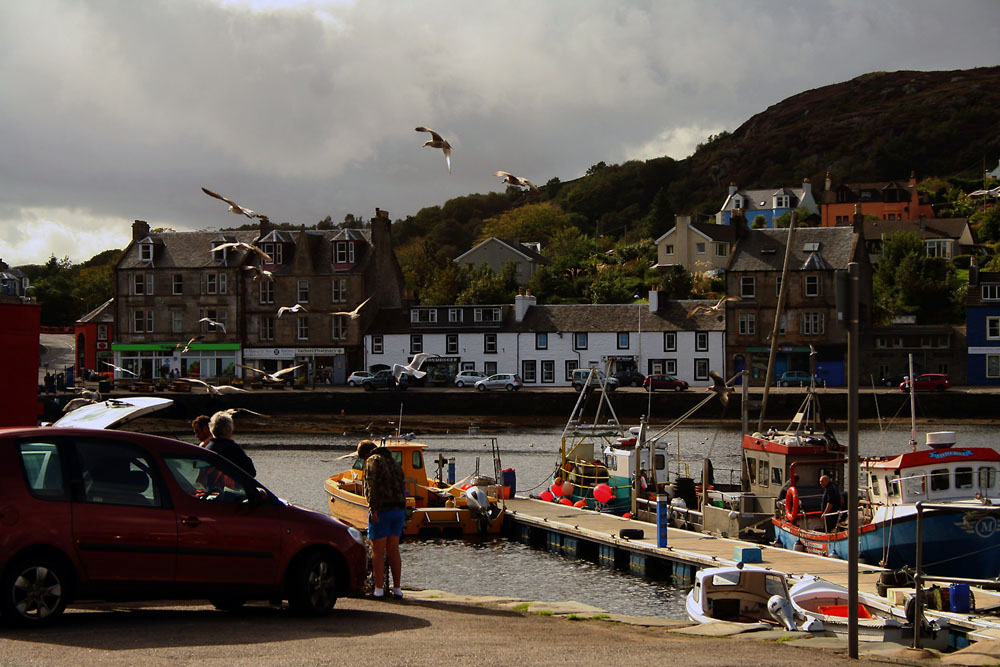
[[659, 381], [927, 382], [110, 515]]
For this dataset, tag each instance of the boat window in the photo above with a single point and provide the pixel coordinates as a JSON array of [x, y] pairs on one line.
[[752, 469], [661, 462], [763, 481], [418, 460], [776, 475], [963, 478], [397, 456], [987, 477], [940, 479], [914, 484], [612, 463], [774, 585], [875, 486], [890, 485], [359, 464], [726, 578]]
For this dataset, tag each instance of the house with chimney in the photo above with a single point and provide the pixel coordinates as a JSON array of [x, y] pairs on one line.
[[982, 325], [944, 237], [92, 336], [697, 246], [527, 257], [887, 201], [761, 207]]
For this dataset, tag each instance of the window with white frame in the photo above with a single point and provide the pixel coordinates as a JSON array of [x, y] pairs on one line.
[[266, 291], [811, 324], [701, 369], [701, 341], [748, 324], [814, 285], [178, 284], [548, 371], [146, 252], [142, 284], [528, 368], [490, 368], [302, 291], [781, 201], [721, 249], [345, 252], [416, 344], [302, 327], [273, 250], [623, 343], [490, 343], [102, 332], [699, 248], [993, 365], [990, 291], [486, 315], [338, 291], [423, 315], [669, 341], [266, 327], [570, 366], [176, 321], [142, 321], [748, 287], [993, 328], [377, 343], [670, 366], [339, 327], [939, 248], [541, 340], [468, 366], [454, 314], [211, 283], [737, 202], [451, 344], [580, 340]]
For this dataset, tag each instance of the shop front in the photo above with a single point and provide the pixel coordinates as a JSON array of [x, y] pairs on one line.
[[149, 361], [441, 370], [320, 365]]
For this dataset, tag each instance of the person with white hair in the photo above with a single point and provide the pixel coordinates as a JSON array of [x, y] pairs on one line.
[[221, 426]]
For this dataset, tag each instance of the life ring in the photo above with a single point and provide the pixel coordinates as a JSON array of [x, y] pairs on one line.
[[792, 504]]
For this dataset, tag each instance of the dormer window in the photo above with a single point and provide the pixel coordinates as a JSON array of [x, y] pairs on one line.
[[738, 202], [423, 315], [218, 255], [273, 250], [781, 201], [344, 252], [146, 252]]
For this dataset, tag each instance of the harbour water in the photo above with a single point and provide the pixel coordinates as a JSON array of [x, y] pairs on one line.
[[295, 467]]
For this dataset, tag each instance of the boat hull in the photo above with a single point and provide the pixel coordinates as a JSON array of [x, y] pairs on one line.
[[965, 543]]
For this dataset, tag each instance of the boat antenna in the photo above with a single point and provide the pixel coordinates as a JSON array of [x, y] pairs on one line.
[[913, 405]]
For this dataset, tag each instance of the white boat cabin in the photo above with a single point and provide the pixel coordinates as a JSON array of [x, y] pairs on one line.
[[940, 474], [620, 460]]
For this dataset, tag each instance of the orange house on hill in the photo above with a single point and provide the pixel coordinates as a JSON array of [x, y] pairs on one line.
[[894, 200]]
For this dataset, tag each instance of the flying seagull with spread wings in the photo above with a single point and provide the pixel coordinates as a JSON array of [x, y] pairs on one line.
[[249, 247], [356, 313], [412, 368], [213, 390], [272, 377], [234, 207], [712, 309], [297, 308], [232, 412], [517, 181], [260, 273], [121, 370], [186, 347], [437, 141], [210, 321], [720, 387]]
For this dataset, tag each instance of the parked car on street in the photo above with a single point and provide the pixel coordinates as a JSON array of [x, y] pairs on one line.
[[660, 381], [927, 382], [630, 377], [798, 379], [355, 378], [580, 376], [113, 515], [384, 379], [892, 380], [508, 381], [468, 378]]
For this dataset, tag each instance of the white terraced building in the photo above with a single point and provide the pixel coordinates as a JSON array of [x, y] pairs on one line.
[[544, 344]]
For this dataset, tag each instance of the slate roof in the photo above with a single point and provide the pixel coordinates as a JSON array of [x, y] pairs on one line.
[[761, 200], [514, 246], [187, 250], [836, 249], [928, 228]]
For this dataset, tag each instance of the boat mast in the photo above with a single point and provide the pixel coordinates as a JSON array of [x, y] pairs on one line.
[[913, 403], [782, 297]]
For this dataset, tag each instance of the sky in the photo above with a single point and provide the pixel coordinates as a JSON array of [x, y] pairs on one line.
[[117, 110]]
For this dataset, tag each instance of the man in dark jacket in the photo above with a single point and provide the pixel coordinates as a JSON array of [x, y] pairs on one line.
[[830, 503], [386, 494], [221, 426]]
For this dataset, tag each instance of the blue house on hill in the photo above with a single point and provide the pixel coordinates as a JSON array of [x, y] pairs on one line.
[[771, 203], [983, 327]]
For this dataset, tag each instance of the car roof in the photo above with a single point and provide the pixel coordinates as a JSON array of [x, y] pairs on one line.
[[160, 443]]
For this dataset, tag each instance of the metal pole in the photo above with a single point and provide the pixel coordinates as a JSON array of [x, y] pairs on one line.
[[918, 580], [853, 376], [782, 297]]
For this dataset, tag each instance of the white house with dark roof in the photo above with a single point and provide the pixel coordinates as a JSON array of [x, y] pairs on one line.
[[545, 343], [771, 203], [497, 252]]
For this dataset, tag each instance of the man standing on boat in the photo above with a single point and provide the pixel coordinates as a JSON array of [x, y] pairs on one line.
[[385, 493], [830, 503]]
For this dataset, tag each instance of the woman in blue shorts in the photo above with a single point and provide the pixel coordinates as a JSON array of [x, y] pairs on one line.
[[385, 492]]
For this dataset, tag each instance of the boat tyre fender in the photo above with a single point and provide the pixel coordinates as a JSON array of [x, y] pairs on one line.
[[792, 504]]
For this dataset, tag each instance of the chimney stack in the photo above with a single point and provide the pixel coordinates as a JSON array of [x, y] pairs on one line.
[[140, 230], [522, 302], [859, 220]]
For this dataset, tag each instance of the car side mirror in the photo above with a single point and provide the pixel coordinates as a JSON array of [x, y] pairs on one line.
[[258, 496]]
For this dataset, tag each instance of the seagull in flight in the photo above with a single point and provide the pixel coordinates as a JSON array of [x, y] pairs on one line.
[[216, 391], [234, 207], [356, 313], [412, 368], [121, 370], [511, 179], [187, 345], [232, 412], [241, 245], [437, 141], [720, 387], [297, 308], [712, 309], [272, 377], [259, 273], [211, 322]]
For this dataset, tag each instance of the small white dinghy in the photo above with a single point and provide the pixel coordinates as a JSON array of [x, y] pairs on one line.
[[751, 595]]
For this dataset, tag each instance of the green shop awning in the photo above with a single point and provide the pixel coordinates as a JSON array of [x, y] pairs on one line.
[[170, 347]]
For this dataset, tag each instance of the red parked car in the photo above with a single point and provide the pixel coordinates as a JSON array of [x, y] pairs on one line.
[[659, 381], [927, 382], [110, 515]]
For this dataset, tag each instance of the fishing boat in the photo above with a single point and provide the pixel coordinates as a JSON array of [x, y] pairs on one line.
[[434, 507], [746, 594]]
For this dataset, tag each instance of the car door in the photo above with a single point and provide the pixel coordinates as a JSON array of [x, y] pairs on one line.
[[225, 535], [124, 528]]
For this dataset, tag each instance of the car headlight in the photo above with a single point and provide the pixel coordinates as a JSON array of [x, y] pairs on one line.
[[356, 534]]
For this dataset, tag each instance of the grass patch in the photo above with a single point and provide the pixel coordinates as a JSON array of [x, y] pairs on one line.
[[546, 612], [601, 617], [522, 607]]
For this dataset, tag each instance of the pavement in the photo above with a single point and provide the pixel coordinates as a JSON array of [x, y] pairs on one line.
[[430, 627]]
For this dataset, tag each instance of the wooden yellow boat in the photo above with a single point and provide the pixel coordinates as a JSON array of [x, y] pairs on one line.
[[433, 507]]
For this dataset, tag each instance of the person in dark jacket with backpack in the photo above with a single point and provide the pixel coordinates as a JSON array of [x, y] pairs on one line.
[[221, 426], [386, 496]]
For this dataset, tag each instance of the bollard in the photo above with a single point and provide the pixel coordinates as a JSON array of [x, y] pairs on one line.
[[451, 470], [662, 519]]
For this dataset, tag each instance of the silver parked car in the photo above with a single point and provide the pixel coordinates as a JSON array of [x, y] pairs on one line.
[[468, 378], [508, 381], [355, 378]]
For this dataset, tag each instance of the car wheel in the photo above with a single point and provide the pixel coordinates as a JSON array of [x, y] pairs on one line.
[[369, 387], [481, 387], [784, 384], [312, 585], [679, 388], [941, 387], [229, 604], [351, 383], [510, 387], [459, 384], [35, 591]]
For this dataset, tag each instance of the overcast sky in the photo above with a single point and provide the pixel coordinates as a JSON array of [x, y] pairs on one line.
[[112, 111]]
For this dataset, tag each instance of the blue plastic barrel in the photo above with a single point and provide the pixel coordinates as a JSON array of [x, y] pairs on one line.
[[960, 600], [510, 480]]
